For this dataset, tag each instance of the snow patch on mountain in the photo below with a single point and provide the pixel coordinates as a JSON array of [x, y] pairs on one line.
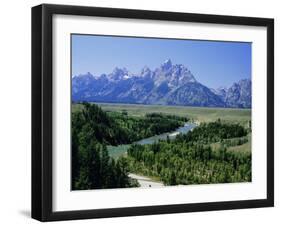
[[172, 84]]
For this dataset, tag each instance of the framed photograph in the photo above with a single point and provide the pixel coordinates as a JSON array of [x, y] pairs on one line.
[[145, 112]]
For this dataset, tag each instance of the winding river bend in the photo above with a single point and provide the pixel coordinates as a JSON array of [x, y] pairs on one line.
[[183, 130], [117, 151]]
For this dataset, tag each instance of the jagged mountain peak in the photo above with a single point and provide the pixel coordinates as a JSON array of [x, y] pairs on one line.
[[171, 84], [87, 75], [119, 74], [245, 81], [167, 65], [239, 94], [183, 73], [146, 72], [173, 74]]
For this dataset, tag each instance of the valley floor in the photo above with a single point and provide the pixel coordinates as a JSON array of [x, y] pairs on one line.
[[141, 171], [197, 114]]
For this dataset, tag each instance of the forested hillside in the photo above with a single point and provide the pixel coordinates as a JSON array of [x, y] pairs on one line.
[[201, 156], [93, 129]]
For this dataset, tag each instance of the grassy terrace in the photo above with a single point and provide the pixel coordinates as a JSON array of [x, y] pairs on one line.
[[200, 114]]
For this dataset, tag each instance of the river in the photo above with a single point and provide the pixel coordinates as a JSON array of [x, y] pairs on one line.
[[117, 151], [183, 130]]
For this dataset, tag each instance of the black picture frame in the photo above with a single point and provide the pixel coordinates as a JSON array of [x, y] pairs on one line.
[[42, 111]]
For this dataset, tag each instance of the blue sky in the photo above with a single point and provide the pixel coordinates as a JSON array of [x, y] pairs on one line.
[[213, 63]]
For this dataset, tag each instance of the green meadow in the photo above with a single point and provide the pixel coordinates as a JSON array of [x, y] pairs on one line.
[[197, 114]]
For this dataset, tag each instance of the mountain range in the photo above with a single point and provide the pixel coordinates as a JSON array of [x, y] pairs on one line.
[[169, 84]]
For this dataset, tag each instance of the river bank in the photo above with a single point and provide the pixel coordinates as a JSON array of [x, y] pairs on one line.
[[121, 150]]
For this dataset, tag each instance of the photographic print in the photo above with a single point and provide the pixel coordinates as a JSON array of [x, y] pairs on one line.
[[154, 112], [138, 112]]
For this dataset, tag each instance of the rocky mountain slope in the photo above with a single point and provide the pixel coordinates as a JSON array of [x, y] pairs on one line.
[[168, 85]]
